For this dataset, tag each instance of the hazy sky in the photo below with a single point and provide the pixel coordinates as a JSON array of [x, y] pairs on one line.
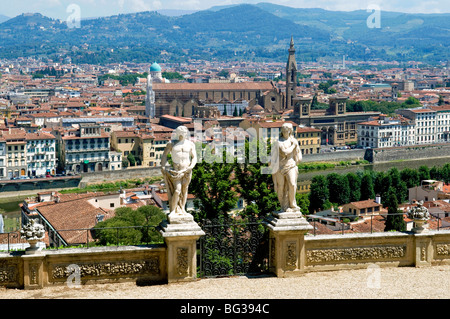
[[95, 8]]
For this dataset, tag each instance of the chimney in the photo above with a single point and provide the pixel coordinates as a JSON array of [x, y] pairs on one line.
[[378, 199]]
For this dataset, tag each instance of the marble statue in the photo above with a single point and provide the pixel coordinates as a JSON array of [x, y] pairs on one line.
[[178, 176], [288, 156]]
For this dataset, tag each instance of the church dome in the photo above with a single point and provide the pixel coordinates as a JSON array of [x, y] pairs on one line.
[[155, 67]]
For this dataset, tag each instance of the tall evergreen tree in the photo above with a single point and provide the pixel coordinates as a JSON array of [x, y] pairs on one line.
[[424, 173], [394, 220], [410, 177], [318, 194], [354, 184], [398, 185], [338, 188], [367, 187], [256, 188], [214, 189]]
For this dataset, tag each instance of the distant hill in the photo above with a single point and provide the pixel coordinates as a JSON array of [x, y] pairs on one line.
[[175, 13], [251, 32]]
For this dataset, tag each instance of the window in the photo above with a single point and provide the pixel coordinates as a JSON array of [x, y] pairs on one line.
[[111, 205]]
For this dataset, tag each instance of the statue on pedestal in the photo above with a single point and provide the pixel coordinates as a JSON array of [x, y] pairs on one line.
[[285, 174], [178, 177]]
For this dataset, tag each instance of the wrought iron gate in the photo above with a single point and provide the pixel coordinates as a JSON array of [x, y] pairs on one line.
[[233, 248]]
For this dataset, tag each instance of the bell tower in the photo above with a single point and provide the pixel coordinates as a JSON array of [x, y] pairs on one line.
[[291, 77]]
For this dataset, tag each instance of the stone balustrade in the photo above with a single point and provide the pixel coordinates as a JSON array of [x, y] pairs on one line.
[[292, 253]]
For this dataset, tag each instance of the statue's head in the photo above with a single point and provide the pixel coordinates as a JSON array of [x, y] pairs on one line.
[[181, 131], [287, 128]]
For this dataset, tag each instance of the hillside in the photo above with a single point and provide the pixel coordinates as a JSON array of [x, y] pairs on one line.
[[251, 32]]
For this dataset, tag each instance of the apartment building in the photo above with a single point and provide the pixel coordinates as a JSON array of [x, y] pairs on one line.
[[127, 142], [386, 132], [442, 122], [425, 120], [41, 154], [3, 171], [308, 139], [86, 149], [15, 149]]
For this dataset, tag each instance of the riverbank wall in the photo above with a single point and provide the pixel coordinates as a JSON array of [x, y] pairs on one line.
[[416, 152]]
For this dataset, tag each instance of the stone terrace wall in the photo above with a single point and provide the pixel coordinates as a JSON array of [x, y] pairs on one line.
[[394, 249], [99, 264], [150, 264]]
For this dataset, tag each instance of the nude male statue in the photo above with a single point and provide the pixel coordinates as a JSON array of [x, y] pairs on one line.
[[178, 177], [285, 177]]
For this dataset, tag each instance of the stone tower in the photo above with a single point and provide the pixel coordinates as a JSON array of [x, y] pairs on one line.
[[291, 77]]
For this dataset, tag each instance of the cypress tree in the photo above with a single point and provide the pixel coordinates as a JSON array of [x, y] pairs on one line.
[[394, 220], [367, 187]]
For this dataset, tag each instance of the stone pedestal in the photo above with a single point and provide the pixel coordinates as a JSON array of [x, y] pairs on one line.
[[420, 226], [33, 269], [34, 248], [423, 253], [180, 234], [287, 246]]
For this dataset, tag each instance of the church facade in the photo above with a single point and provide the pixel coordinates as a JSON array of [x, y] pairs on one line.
[[185, 99]]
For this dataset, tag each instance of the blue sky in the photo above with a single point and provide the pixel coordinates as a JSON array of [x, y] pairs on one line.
[[95, 8]]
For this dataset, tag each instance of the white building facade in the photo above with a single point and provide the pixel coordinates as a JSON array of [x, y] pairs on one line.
[[41, 154], [425, 120], [385, 133]]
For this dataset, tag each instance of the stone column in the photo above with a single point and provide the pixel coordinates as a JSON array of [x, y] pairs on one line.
[[33, 271], [287, 245], [423, 253], [180, 234]]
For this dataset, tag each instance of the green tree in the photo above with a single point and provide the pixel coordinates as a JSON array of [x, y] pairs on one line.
[[130, 226], [125, 163], [424, 173], [354, 183], [382, 184], [303, 202], [445, 173], [256, 188], [394, 220], [214, 188], [338, 188], [318, 194], [410, 177], [399, 186], [367, 187], [172, 75], [411, 101], [131, 159]]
